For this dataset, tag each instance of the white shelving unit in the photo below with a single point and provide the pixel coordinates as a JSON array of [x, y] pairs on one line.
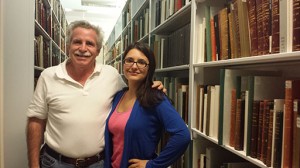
[[198, 70]]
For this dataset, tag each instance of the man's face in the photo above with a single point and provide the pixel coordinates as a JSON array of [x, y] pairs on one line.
[[83, 48]]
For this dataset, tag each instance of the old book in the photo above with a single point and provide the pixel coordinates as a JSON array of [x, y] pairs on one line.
[[296, 25], [224, 38], [213, 40], [197, 118], [254, 129], [185, 100], [232, 117], [260, 34], [239, 123], [285, 28], [292, 91], [236, 25], [217, 36], [208, 109], [260, 128], [201, 107], [243, 28], [205, 114], [265, 128], [296, 133], [275, 26], [252, 26], [208, 33], [266, 9], [232, 36], [270, 138], [277, 133]]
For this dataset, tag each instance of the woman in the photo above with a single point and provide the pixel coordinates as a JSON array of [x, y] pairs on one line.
[[139, 116]]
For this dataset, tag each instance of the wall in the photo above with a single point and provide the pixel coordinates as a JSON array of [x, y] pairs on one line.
[[1, 86], [17, 82]]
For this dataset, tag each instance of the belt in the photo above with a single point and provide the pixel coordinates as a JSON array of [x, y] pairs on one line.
[[80, 162]]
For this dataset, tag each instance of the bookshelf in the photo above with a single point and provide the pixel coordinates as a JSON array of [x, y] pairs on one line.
[[50, 34], [141, 21], [221, 56], [236, 71]]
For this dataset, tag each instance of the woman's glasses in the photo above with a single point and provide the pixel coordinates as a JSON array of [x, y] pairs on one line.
[[139, 63]]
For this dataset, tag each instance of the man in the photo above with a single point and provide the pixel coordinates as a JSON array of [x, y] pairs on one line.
[[71, 103]]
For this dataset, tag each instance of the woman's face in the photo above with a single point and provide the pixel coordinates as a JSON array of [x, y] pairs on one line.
[[135, 66]]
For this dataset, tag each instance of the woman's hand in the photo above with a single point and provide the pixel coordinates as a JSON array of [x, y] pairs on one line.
[[137, 163], [159, 86]]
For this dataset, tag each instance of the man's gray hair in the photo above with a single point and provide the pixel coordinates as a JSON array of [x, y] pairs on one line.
[[84, 24]]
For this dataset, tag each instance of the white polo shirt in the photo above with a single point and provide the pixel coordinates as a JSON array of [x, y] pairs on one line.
[[76, 114]]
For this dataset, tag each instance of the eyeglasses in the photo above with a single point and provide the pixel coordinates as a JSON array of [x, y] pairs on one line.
[[139, 63]]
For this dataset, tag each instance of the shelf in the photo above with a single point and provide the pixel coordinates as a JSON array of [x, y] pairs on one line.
[[254, 60], [174, 22], [175, 68], [140, 9], [241, 154], [40, 30]]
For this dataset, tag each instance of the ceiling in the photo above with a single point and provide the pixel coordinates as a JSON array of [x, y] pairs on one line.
[[103, 13]]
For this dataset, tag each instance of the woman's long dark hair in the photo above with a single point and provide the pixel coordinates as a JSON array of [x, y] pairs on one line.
[[146, 95]]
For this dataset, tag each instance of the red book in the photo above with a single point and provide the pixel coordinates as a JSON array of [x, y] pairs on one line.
[[213, 40], [232, 117], [292, 91]]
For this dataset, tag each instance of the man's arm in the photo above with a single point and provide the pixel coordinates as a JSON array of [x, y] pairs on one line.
[[35, 137]]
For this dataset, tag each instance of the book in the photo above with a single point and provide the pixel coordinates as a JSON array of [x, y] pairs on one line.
[[232, 117], [259, 131], [285, 28], [292, 91], [254, 129], [265, 129], [277, 133], [224, 38], [251, 4], [296, 26], [275, 26], [270, 137], [296, 132], [236, 33], [208, 33], [239, 124], [260, 31], [242, 12]]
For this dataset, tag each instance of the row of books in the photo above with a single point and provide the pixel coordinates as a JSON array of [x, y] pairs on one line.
[[43, 15], [172, 50], [41, 52], [252, 111], [177, 91], [43, 56], [166, 8], [141, 25], [126, 16], [218, 158], [56, 8], [247, 28]]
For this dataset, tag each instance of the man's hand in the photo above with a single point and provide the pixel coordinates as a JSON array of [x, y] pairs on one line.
[[159, 86], [137, 163]]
